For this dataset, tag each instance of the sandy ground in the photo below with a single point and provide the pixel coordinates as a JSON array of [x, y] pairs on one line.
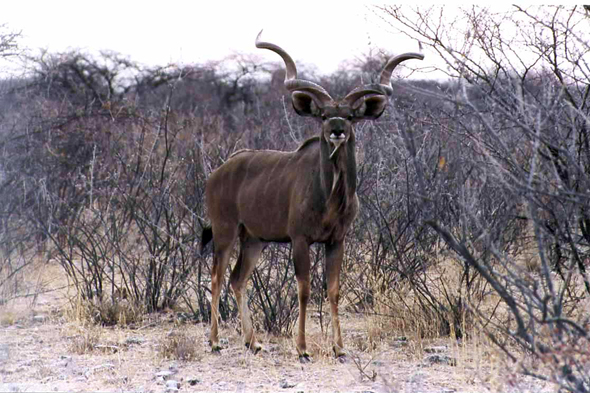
[[43, 350]]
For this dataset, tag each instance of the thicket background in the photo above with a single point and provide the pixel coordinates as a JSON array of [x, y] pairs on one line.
[[474, 188]]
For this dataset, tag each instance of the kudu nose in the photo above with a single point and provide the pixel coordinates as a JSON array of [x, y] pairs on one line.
[[337, 134], [337, 123], [337, 127]]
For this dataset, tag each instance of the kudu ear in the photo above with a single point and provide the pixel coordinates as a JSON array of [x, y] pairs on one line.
[[370, 107], [305, 104]]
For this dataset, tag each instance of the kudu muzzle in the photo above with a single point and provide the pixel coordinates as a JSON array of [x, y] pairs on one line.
[[337, 127]]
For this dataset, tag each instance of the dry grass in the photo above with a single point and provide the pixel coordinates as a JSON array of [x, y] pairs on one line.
[[8, 317], [105, 312], [180, 345], [126, 357], [85, 340]]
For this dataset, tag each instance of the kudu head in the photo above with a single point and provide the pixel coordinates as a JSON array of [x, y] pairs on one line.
[[337, 116]]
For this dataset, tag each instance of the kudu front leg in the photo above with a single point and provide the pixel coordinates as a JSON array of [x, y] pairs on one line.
[[334, 256], [302, 273]]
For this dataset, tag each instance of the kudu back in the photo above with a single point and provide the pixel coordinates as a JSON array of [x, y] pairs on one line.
[[306, 196]]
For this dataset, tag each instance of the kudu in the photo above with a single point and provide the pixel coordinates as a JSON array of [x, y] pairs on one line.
[[306, 196]]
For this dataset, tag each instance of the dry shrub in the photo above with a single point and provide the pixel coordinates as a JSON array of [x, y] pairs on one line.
[[428, 305], [105, 312], [427, 293], [179, 345], [273, 295], [86, 340], [117, 312], [8, 317]]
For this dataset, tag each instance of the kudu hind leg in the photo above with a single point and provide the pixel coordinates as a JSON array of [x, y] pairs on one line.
[[220, 261], [334, 256], [249, 253], [302, 273]]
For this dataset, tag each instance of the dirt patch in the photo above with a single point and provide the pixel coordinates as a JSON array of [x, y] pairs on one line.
[[42, 350]]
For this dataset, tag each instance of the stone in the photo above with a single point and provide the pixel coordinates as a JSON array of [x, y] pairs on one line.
[[165, 374], [436, 349], [4, 352], [172, 384], [286, 385], [134, 340], [40, 318], [399, 342], [440, 359]]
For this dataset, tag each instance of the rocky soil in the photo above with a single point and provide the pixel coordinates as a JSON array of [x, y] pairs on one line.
[[44, 349]]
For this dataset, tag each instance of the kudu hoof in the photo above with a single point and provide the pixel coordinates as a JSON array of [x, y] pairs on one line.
[[305, 358], [216, 349], [255, 348], [340, 354]]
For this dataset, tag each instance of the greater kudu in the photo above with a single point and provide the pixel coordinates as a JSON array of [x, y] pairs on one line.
[[303, 197]]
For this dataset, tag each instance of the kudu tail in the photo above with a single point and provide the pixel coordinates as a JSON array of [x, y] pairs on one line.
[[206, 237]]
